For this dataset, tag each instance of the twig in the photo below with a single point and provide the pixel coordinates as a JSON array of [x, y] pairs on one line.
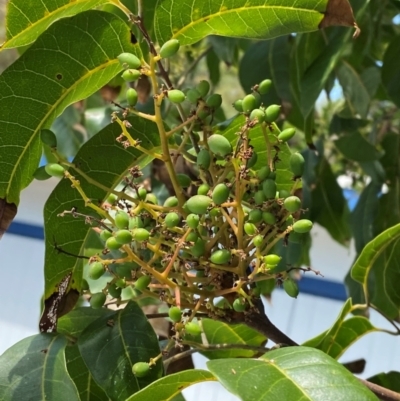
[[60, 250], [88, 218], [382, 393]]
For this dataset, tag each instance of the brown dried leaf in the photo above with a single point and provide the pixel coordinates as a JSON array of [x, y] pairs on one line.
[[7, 214]]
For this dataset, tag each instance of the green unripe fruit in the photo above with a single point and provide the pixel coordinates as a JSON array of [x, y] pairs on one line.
[[172, 201], [220, 257], [203, 88], [123, 236], [84, 285], [291, 288], [203, 114], [259, 197], [192, 220], [193, 95], [302, 226], [135, 222], [292, 204], [219, 145], [141, 369], [176, 96], [111, 199], [215, 212], [132, 97], [269, 188], [204, 159], [257, 96], [257, 114], [41, 174], [269, 218], [105, 235], [220, 194], [286, 134], [253, 160], [97, 300], [284, 194], [112, 244], [121, 283], [172, 219], [239, 305], [184, 180], [193, 329], [55, 170], [140, 234], [238, 105], [142, 282], [129, 59], [169, 48], [249, 103], [272, 175], [297, 164], [114, 291], [250, 229], [258, 240], [175, 314], [289, 221], [272, 259], [96, 270], [121, 220], [214, 101], [48, 138], [142, 193], [255, 216], [199, 204], [263, 173], [199, 248], [131, 75], [264, 86], [203, 189], [192, 237], [272, 113]]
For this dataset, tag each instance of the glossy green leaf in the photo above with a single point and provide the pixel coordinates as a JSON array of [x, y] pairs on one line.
[[291, 373], [343, 333], [71, 60], [218, 332], [390, 380], [355, 147], [26, 20], [79, 373], [35, 369], [104, 160], [166, 388], [111, 345], [390, 71], [261, 20]]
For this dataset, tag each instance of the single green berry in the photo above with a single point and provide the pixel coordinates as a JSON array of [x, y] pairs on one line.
[[141, 369], [48, 138], [193, 329], [302, 226], [297, 164], [203, 87], [184, 180], [96, 270], [258, 240], [284, 194], [142, 193], [203, 189], [269, 218], [220, 257], [41, 174], [129, 60], [250, 229], [176, 96], [192, 237], [272, 113], [238, 105], [215, 212], [114, 291], [220, 193], [135, 222], [140, 234], [239, 305], [255, 216], [204, 159], [272, 259], [193, 95], [264, 86], [259, 197], [286, 134], [142, 282], [219, 145], [257, 114], [199, 248], [249, 103], [199, 204], [123, 236], [169, 48], [192, 220], [131, 75], [263, 173], [292, 204], [113, 244], [121, 282], [111, 199], [55, 170], [175, 314], [253, 160], [172, 201], [121, 220], [105, 235], [291, 288], [214, 101], [132, 97], [97, 300], [269, 188], [172, 219]]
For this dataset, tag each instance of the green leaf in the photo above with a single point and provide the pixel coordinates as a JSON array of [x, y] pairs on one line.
[[26, 20], [73, 323], [79, 373], [238, 18], [291, 373], [71, 60], [166, 388], [343, 333], [390, 70], [111, 345], [390, 380], [104, 160], [355, 147], [35, 369]]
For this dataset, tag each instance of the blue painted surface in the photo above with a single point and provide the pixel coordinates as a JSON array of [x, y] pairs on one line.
[[26, 230]]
